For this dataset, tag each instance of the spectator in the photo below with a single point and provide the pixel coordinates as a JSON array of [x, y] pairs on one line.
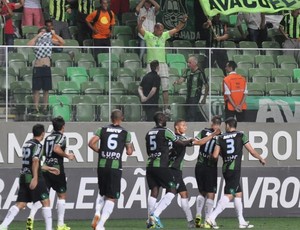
[[256, 25], [156, 51], [41, 71], [6, 11], [195, 78], [58, 10], [148, 9], [290, 29], [235, 93], [101, 22], [119, 7], [217, 35], [84, 9], [32, 13], [58, 41], [149, 91]]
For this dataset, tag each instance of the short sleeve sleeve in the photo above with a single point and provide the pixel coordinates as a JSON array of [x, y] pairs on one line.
[[98, 132], [170, 135]]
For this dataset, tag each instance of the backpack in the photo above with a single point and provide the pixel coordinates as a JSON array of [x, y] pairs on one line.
[[96, 18]]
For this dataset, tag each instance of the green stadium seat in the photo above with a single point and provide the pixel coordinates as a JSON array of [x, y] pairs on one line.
[[130, 60], [117, 46], [104, 109], [62, 61], [29, 31], [296, 74], [74, 32], [68, 87], [183, 44], [276, 89], [19, 90], [200, 43], [230, 52], [216, 76], [244, 61], [77, 75], [215, 89], [128, 16], [232, 20], [11, 76], [104, 60], [89, 43], [141, 72], [265, 61], [270, 46], [57, 71], [131, 107], [234, 34], [133, 88], [282, 76], [62, 110], [246, 45], [114, 88], [85, 60], [91, 88], [16, 61], [177, 105], [121, 30], [124, 37], [84, 108], [293, 89], [256, 89], [259, 75], [177, 61], [243, 72], [286, 62], [23, 50]]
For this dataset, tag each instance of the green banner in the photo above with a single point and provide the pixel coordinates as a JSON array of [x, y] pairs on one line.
[[213, 7]]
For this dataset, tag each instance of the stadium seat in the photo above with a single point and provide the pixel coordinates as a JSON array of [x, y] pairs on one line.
[[243, 72], [29, 32], [234, 34], [104, 60], [177, 105], [114, 88], [296, 74], [283, 76], [57, 71], [128, 16], [23, 50], [99, 75], [117, 46], [286, 62], [85, 60], [77, 75], [121, 30], [216, 76], [74, 32], [62, 110], [122, 72], [91, 88], [232, 20], [84, 108], [89, 43], [133, 88], [177, 61], [270, 47], [29, 106], [244, 61], [184, 45], [59, 100], [265, 61], [230, 52], [140, 73], [19, 90], [131, 107], [16, 61], [104, 109], [61, 60], [259, 75], [55, 79], [256, 89], [215, 89], [130, 60], [68, 87], [200, 43], [71, 42], [293, 89], [246, 45], [276, 89]]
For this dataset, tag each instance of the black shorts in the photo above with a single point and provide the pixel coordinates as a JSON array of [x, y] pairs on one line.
[[27, 195], [206, 178], [56, 182], [180, 185], [41, 78], [232, 182], [109, 182], [160, 177]]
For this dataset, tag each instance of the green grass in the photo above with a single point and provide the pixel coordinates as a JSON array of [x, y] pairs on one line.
[[174, 224]]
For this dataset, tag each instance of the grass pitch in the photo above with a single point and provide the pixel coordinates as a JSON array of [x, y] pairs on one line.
[[174, 224]]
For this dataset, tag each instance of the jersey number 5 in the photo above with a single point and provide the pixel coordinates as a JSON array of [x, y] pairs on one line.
[[153, 144]]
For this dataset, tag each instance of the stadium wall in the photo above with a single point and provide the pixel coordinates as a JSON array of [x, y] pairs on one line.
[[272, 190]]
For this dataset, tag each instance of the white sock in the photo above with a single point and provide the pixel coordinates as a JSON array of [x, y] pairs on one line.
[[61, 207], [34, 208], [46, 211], [106, 211], [164, 203], [10, 216], [186, 208], [239, 209], [222, 203], [209, 205], [99, 204], [199, 205], [151, 204]]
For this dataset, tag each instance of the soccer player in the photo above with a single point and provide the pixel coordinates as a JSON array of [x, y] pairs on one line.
[[158, 173], [176, 164], [55, 152], [113, 139], [230, 145], [206, 169], [32, 184]]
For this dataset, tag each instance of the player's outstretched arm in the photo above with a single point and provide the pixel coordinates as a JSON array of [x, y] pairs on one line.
[[254, 153], [52, 170], [204, 140]]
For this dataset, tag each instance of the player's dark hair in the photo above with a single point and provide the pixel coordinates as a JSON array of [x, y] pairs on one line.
[[178, 121], [216, 120], [232, 64], [116, 114], [58, 123], [231, 122], [48, 21], [160, 119], [37, 130], [153, 65]]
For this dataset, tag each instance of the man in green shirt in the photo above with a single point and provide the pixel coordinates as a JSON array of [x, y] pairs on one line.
[[156, 51]]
